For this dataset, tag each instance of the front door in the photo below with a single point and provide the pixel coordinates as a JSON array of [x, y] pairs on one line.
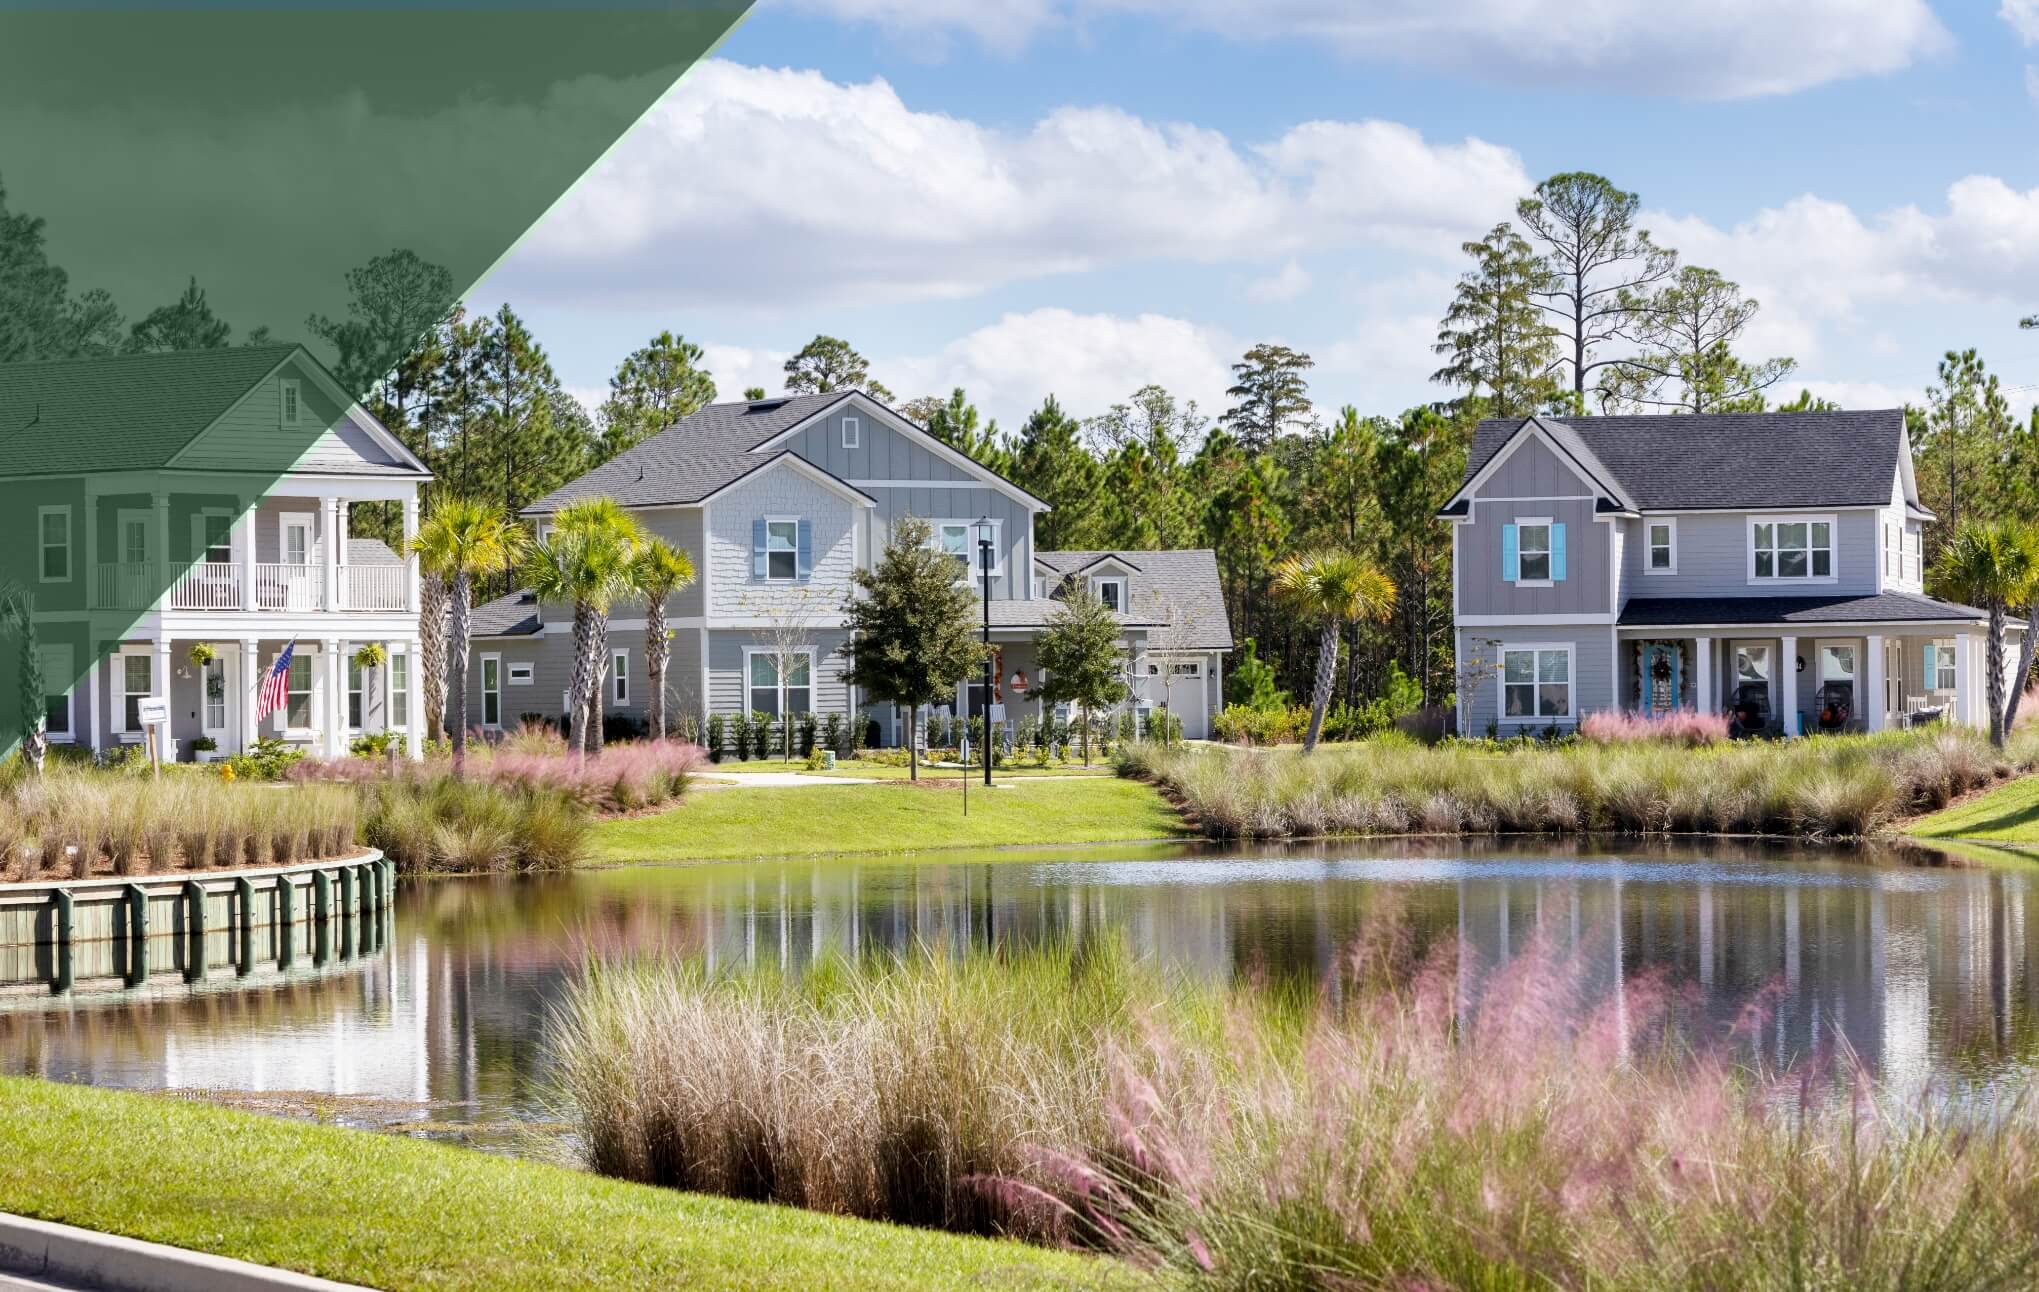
[[1663, 677], [216, 702]]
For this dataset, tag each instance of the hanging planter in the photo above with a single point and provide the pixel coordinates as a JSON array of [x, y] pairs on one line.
[[201, 654]]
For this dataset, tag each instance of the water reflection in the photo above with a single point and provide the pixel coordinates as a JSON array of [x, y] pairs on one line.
[[1924, 970]]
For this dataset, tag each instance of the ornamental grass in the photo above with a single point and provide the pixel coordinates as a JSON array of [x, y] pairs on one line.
[[1417, 1123], [1820, 787]]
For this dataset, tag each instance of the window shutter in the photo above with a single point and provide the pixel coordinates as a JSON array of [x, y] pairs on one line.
[[1511, 562], [757, 548], [1932, 667], [1557, 553], [806, 544]]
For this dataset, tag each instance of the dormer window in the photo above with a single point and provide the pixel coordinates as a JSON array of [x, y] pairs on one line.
[[1112, 592], [292, 403]]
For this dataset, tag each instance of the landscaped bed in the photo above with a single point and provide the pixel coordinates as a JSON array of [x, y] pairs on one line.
[[398, 1213], [1817, 787]]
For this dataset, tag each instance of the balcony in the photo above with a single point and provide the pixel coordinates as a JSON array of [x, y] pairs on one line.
[[214, 585]]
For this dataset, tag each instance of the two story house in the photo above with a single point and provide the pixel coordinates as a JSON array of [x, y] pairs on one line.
[[1767, 564], [163, 501], [777, 501]]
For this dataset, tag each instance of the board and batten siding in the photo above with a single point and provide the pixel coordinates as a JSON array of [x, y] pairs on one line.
[[881, 453], [1533, 481], [1713, 558], [735, 591], [1592, 672]]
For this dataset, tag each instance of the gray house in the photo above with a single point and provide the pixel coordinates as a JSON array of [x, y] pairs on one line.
[[778, 501], [1765, 564]]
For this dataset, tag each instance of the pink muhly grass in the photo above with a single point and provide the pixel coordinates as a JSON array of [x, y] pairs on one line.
[[1682, 727]]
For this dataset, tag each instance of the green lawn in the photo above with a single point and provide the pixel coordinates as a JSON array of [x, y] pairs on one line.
[[2007, 814], [813, 820], [400, 1213], [860, 770]]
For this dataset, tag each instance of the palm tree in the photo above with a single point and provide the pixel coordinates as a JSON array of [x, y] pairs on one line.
[[1992, 564], [587, 561], [465, 539], [1337, 588], [660, 571]]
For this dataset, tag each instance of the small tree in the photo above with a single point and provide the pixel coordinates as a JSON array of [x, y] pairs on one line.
[[911, 631], [661, 570], [1335, 588], [17, 619], [1079, 652], [788, 615], [1994, 564]]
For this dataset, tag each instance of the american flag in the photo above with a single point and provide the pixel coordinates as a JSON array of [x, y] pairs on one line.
[[276, 685]]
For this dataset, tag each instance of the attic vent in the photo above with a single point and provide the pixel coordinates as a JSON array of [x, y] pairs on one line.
[[764, 405]]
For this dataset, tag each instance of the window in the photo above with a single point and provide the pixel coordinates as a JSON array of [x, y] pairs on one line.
[[214, 535], [852, 432], [292, 402], [1791, 549], [296, 539], [297, 702], [1536, 682], [782, 550], [1533, 551], [1940, 662], [214, 678], [1663, 547], [766, 693], [1188, 668], [400, 692], [354, 704], [959, 539], [521, 674], [1110, 591], [56, 685], [619, 677], [53, 526], [134, 538], [491, 690], [1533, 548], [134, 686], [1914, 537]]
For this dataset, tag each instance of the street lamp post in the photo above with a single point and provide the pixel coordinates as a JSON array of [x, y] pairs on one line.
[[985, 530]]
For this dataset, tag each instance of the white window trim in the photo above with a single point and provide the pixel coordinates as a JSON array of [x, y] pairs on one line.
[[1943, 649], [1098, 582], [482, 684], [391, 693], [853, 433], [286, 405], [121, 518], [199, 546], [794, 521], [42, 545], [350, 670], [69, 737], [976, 575], [284, 520], [526, 668], [619, 676], [1519, 522], [118, 717], [813, 676], [1671, 523], [1571, 650], [315, 695], [1829, 519]]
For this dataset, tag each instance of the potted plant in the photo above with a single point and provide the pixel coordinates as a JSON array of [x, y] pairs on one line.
[[201, 654], [205, 749]]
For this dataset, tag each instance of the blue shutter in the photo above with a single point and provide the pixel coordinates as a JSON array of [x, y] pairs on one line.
[[806, 547], [758, 568], [1511, 563], [1932, 667], [1557, 553]]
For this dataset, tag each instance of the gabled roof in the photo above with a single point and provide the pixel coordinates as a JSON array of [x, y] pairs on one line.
[[515, 615], [1728, 461], [1186, 578]]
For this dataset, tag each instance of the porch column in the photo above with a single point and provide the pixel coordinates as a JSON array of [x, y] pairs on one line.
[[330, 541], [1787, 684], [251, 685], [414, 703], [333, 664], [411, 595], [92, 562], [161, 501], [250, 524], [159, 682], [1702, 691], [1876, 704], [1964, 680]]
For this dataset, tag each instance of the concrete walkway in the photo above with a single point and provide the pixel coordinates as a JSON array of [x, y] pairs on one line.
[[38, 1256]]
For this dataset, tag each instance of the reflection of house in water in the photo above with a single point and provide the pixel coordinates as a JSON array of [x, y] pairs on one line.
[[1921, 971]]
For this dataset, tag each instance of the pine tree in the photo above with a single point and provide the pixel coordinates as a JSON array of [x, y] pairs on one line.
[[1598, 260], [654, 387], [1051, 463], [1685, 331], [829, 363], [1494, 337], [1273, 396], [954, 423], [187, 323]]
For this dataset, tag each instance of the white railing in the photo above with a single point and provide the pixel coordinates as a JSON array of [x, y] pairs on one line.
[[290, 587], [372, 587], [129, 585], [210, 585]]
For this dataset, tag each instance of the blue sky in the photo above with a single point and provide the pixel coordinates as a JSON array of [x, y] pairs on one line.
[[1081, 196]]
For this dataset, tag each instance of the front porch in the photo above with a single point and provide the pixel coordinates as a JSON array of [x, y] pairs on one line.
[[1784, 680]]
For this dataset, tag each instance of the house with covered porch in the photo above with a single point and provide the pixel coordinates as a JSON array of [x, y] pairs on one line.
[[1768, 566]]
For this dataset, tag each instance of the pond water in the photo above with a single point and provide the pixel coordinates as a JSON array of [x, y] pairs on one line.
[[1927, 971]]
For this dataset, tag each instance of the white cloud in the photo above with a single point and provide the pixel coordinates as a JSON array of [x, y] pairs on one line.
[[752, 187], [737, 368], [2023, 16], [1281, 287], [1852, 394], [2032, 82], [1724, 49], [1087, 361]]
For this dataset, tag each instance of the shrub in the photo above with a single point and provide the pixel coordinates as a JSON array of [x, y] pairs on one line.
[[718, 733], [833, 730], [370, 744], [807, 731], [268, 760], [1683, 727], [739, 735], [441, 824], [1239, 725]]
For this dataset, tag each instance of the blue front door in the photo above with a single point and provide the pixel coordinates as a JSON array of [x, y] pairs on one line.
[[1663, 677]]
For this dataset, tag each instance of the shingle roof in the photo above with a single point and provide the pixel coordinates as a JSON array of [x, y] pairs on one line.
[[515, 615], [132, 412], [694, 457], [1879, 608], [1740, 461], [1184, 578], [370, 551]]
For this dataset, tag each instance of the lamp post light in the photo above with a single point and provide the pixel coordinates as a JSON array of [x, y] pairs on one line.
[[985, 530]]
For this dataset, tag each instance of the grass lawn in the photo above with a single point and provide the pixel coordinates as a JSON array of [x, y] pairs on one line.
[[860, 770], [400, 1213], [2007, 814], [812, 820]]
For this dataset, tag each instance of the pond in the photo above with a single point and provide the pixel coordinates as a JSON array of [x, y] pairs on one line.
[[1927, 971]]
